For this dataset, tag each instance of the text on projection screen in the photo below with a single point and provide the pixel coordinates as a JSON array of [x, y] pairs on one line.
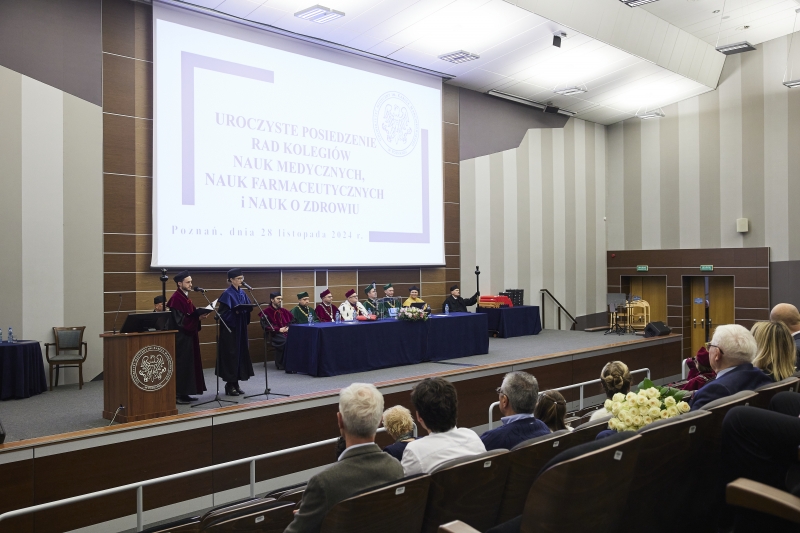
[[270, 158]]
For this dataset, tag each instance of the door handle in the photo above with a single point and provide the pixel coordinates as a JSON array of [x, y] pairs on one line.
[[694, 323], [701, 322]]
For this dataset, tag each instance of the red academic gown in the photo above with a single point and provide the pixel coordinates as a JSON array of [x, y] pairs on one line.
[[189, 372], [278, 318], [326, 314]]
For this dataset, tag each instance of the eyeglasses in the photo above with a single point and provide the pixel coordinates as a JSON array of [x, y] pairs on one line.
[[499, 390], [709, 345]]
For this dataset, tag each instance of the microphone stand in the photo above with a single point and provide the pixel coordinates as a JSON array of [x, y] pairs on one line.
[[217, 319], [115, 316], [478, 282], [164, 278], [267, 392]]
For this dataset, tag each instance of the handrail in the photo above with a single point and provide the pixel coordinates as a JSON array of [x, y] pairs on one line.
[[561, 308], [581, 385], [139, 485]]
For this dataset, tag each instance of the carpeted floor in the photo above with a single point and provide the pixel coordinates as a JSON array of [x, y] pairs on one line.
[[69, 409]]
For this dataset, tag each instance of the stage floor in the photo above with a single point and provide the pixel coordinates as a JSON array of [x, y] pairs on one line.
[[69, 409]]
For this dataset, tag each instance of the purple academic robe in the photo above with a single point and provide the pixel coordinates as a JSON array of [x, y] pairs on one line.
[[325, 313], [234, 354], [189, 366]]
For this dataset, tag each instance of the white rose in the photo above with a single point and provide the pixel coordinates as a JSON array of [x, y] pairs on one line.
[[638, 421], [664, 414], [616, 408], [669, 401], [634, 411], [648, 420], [683, 407], [654, 412], [607, 404], [654, 402], [628, 419], [618, 397], [631, 397], [621, 426], [672, 410], [653, 393], [641, 399]]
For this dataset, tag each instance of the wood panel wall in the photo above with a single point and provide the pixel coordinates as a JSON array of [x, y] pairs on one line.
[[128, 188]]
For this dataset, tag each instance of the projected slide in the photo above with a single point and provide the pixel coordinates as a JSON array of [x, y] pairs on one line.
[[270, 157]]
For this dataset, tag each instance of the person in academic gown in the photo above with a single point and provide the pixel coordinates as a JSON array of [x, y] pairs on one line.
[[388, 302], [326, 311], [278, 323], [371, 303], [188, 365], [413, 297], [234, 354], [351, 308], [158, 304], [457, 303], [302, 311]]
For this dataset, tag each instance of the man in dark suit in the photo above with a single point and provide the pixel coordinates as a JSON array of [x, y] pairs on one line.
[[789, 315], [361, 466], [518, 395], [456, 304], [730, 353]]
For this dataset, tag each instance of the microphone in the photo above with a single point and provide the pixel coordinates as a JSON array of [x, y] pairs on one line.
[[199, 289], [246, 286], [117, 315]]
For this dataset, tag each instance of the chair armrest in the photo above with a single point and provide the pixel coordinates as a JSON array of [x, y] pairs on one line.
[[457, 526], [85, 350], [47, 346], [764, 499]]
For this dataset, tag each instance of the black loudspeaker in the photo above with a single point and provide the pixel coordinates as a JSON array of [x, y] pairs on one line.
[[656, 329]]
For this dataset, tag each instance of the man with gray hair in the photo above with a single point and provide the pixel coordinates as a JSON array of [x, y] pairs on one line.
[[361, 466], [517, 397], [730, 353]]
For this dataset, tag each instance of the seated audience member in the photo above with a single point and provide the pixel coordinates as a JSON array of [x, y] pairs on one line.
[[615, 378], [436, 403], [761, 444], [700, 371], [552, 410], [789, 315], [730, 355], [518, 395], [361, 466], [400, 426], [776, 351]]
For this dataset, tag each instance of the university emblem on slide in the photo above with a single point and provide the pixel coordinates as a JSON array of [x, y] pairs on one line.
[[151, 368], [395, 122]]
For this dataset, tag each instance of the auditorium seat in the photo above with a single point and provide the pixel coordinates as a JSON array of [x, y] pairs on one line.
[[293, 495], [469, 489], [185, 525], [526, 460], [398, 507], [211, 515], [753, 495], [256, 516], [669, 449], [587, 431], [766, 392], [276, 493]]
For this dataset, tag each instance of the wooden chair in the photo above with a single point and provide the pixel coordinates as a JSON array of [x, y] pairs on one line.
[[526, 461], [397, 507], [68, 341], [587, 431], [766, 392], [764, 499], [257, 516], [581, 489], [469, 489], [185, 525], [667, 446]]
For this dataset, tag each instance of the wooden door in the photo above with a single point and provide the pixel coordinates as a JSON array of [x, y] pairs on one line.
[[721, 304], [654, 291], [698, 316]]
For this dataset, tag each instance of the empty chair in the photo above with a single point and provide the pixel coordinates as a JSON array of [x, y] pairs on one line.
[[70, 350], [185, 525], [396, 507], [469, 489], [766, 392], [670, 446], [526, 460], [259, 515], [587, 431]]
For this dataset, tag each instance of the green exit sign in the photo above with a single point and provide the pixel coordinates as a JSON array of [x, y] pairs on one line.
[[641, 268], [706, 268]]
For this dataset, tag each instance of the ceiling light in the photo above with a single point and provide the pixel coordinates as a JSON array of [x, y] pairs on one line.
[[459, 56], [715, 11], [569, 91], [736, 48], [532, 103], [319, 14], [656, 113], [792, 83], [635, 3]]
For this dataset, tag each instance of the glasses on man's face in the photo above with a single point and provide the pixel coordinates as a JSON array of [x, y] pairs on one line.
[[709, 346], [499, 390]]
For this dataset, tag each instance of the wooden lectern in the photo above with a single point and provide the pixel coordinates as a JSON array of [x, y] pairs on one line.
[[139, 374]]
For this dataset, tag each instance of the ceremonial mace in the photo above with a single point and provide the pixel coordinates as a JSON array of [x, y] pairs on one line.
[[478, 279], [164, 278]]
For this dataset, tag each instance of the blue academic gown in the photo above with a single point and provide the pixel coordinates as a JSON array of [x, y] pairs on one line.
[[234, 353]]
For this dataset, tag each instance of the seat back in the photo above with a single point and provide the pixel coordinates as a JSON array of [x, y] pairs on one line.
[[766, 392], [212, 515], [294, 495], [257, 516], [397, 507], [469, 489], [526, 460], [596, 474], [666, 447], [68, 338], [588, 431], [277, 493], [185, 525]]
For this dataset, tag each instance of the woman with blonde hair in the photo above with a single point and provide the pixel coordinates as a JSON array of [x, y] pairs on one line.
[[552, 410], [776, 349], [400, 426], [615, 378]]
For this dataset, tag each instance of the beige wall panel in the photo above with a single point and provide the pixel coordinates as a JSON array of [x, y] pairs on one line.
[[298, 278], [430, 275]]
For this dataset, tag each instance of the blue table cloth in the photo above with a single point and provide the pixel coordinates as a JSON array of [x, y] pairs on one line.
[[330, 349], [21, 370], [514, 321]]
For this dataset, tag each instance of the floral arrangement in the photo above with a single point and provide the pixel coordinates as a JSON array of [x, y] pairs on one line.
[[412, 314], [638, 409]]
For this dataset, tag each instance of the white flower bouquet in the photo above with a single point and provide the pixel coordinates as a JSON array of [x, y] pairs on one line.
[[650, 403], [412, 314]]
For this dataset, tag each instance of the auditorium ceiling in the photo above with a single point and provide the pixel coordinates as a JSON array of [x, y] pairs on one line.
[[628, 60]]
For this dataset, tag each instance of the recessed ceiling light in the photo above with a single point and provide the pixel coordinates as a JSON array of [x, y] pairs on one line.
[[635, 3], [792, 83], [656, 113], [736, 48], [548, 108], [726, 17], [742, 28], [569, 91], [459, 56], [319, 14]]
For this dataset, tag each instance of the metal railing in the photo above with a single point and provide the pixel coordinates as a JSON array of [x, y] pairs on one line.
[[139, 485], [559, 310], [567, 387]]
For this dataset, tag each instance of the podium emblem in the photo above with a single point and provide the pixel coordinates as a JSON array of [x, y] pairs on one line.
[[151, 368]]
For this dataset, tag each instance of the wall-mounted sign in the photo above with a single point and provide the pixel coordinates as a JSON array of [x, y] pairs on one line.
[[706, 268], [641, 268]]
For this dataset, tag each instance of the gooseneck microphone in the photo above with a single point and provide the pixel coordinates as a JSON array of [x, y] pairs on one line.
[[246, 286], [117, 315], [199, 289]]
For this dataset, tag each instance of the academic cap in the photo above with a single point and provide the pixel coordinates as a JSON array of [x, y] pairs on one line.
[[324, 293], [413, 288], [387, 286], [180, 276], [349, 293], [274, 295], [235, 273], [369, 287], [454, 287], [158, 300], [301, 295]]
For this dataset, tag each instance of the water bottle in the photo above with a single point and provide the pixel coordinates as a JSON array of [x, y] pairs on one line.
[[10, 334], [310, 319], [446, 309]]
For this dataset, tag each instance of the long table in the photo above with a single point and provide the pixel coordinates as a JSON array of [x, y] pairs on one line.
[[21, 370], [515, 321], [331, 349]]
